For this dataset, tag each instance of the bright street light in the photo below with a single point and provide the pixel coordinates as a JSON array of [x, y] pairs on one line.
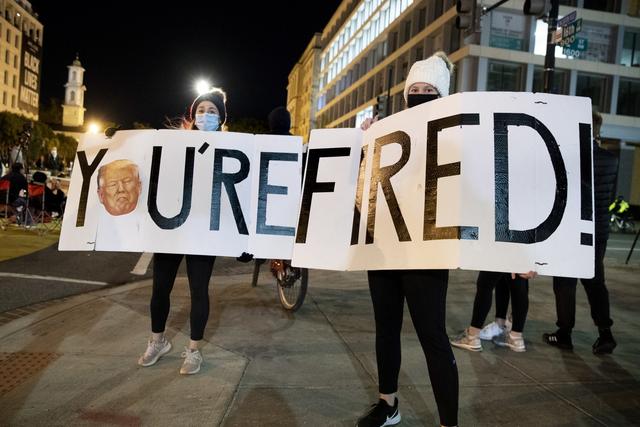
[[94, 128], [202, 86]]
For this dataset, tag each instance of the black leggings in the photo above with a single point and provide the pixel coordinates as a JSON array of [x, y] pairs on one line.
[[597, 294], [502, 299], [519, 288], [426, 295], [165, 268]]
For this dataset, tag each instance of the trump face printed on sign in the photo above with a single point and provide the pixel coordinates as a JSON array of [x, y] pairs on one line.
[[119, 187]]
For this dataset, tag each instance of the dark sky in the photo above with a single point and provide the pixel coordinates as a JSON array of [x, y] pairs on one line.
[[142, 58]]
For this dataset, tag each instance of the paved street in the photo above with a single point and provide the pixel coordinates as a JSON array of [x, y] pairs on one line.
[[74, 362]]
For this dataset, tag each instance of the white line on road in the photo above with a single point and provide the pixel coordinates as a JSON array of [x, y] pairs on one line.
[[52, 279], [143, 264]]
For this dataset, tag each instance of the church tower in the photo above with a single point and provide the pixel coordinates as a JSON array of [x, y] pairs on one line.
[[73, 107]]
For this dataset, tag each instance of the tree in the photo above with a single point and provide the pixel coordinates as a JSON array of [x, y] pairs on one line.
[[142, 125], [249, 125], [51, 113]]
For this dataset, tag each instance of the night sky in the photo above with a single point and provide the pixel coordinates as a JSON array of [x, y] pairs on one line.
[[142, 58]]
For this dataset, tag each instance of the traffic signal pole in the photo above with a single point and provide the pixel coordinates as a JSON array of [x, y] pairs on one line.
[[550, 57]]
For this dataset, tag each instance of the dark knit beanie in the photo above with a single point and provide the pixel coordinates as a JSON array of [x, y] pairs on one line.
[[219, 99], [279, 121]]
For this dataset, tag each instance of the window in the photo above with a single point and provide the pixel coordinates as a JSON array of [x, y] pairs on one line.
[[595, 87], [504, 76], [15, 61], [6, 57], [17, 40], [4, 98], [604, 6], [422, 18], [629, 98], [13, 101], [631, 49], [8, 36], [508, 31], [560, 81], [14, 81], [601, 42], [6, 77], [72, 96]]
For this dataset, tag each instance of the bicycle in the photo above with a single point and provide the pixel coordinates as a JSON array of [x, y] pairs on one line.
[[621, 223], [291, 282]]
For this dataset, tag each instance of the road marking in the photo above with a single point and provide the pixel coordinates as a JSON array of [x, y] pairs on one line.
[[143, 264], [52, 278]]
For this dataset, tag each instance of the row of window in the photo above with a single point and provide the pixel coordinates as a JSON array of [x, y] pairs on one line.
[[595, 42], [4, 100], [14, 79], [397, 37], [365, 32], [8, 56], [16, 20], [504, 76]]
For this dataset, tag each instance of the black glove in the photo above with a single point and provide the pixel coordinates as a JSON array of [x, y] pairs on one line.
[[245, 257]]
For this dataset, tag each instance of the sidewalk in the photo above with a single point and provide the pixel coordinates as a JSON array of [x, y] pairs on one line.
[[74, 362]]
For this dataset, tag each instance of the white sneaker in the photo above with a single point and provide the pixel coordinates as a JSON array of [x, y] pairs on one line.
[[491, 330], [468, 342], [155, 350], [192, 362], [506, 339]]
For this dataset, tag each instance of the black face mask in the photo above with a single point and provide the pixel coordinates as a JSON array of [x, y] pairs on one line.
[[419, 98]]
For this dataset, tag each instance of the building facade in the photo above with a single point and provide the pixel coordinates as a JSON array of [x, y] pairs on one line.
[[20, 55], [303, 87], [368, 46]]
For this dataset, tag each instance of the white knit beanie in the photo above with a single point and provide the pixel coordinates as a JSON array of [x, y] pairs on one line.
[[433, 70]]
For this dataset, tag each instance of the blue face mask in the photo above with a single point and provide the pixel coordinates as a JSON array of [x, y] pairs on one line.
[[207, 121]]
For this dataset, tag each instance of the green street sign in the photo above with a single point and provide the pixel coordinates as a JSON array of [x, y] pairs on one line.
[[580, 44], [571, 29], [576, 48]]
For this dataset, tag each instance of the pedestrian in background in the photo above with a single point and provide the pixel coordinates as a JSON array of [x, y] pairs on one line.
[[605, 168]]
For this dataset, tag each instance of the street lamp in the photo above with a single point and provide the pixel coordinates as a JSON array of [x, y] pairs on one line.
[[94, 128], [202, 86]]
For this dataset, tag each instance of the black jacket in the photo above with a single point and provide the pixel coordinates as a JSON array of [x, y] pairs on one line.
[[17, 182], [605, 170]]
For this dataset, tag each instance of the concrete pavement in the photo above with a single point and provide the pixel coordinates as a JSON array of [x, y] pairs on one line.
[[74, 362]]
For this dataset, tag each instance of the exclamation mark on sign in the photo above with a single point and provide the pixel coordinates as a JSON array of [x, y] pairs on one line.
[[586, 189]]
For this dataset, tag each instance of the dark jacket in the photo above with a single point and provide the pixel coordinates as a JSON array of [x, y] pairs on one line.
[[17, 182], [605, 170]]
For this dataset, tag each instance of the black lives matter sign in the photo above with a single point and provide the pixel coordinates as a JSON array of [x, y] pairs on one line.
[[31, 55]]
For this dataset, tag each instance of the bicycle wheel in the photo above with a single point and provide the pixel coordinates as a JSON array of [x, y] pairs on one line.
[[292, 288]]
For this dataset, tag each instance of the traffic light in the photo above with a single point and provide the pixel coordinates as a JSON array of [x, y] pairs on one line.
[[466, 14], [538, 8], [381, 106]]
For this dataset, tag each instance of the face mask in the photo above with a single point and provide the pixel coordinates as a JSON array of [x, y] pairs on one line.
[[207, 121], [420, 98]]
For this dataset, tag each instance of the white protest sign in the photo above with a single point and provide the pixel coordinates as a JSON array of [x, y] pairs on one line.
[[482, 181], [187, 192]]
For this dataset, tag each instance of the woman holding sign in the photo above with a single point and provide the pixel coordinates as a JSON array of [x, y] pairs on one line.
[[424, 290], [206, 113]]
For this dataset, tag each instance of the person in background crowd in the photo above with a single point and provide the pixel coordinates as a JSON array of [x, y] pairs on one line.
[[605, 167]]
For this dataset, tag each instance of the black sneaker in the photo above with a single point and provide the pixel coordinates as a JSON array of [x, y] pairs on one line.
[[557, 339], [605, 343], [380, 414]]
